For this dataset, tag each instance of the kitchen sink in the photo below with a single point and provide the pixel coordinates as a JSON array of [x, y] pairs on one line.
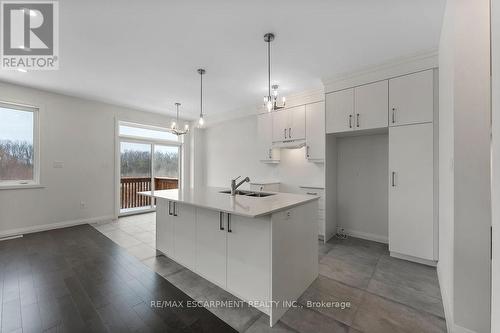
[[249, 193]]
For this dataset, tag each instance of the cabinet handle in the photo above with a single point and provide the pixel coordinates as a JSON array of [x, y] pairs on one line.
[[270, 153], [350, 121], [221, 225], [307, 151], [312, 193], [285, 133], [170, 208], [357, 119], [393, 180], [289, 132], [175, 209], [393, 115], [229, 223]]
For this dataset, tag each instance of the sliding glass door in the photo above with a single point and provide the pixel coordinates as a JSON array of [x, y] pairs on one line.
[[148, 161]]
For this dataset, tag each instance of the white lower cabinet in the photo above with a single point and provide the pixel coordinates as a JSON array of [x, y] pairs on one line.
[[184, 224], [211, 245], [411, 194], [164, 228], [248, 257]]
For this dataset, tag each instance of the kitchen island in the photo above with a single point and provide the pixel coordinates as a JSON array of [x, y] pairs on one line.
[[261, 247]]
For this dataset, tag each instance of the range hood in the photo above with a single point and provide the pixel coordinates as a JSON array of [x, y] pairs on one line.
[[290, 144]]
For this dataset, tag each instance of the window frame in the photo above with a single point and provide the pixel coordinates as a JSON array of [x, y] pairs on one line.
[[25, 183]]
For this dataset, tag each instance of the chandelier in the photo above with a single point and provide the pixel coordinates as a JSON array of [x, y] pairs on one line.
[[175, 124], [271, 100]]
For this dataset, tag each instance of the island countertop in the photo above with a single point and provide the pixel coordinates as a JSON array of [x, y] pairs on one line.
[[211, 198]]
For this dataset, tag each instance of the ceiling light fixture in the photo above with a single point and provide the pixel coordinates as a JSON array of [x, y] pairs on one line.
[[201, 121], [174, 128], [271, 100]]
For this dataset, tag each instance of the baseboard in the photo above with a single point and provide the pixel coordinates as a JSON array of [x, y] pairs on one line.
[[448, 313], [460, 329], [367, 236], [52, 226], [414, 259]]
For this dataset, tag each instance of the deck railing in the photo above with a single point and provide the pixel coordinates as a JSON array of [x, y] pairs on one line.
[[129, 186]]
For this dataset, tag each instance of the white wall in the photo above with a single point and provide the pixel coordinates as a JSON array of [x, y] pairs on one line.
[[362, 192], [464, 267], [231, 150], [81, 134], [446, 175]]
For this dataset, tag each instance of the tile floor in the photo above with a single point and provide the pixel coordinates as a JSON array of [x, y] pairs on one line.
[[384, 294]]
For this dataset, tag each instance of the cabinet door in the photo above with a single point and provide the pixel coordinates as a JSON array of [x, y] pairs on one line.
[[411, 218], [411, 98], [248, 257], [184, 234], [280, 126], [340, 111], [211, 245], [315, 131], [296, 123], [164, 228], [371, 105], [265, 138]]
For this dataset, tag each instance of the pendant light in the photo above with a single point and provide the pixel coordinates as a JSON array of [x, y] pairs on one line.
[[201, 121], [271, 100], [175, 125]]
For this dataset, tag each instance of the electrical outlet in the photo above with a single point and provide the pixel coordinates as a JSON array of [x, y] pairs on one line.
[[83, 205]]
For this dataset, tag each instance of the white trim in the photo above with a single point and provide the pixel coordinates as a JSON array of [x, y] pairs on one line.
[[460, 329], [367, 236], [52, 226], [448, 307], [36, 110], [414, 259], [393, 68], [12, 186]]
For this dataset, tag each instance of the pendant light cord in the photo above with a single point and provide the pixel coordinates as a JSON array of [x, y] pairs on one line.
[[269, 70], [201, 94]]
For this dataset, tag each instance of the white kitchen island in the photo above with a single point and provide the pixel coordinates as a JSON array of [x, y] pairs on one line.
[[263, 250]]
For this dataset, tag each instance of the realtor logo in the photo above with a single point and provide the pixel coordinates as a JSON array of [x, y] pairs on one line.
[[30, 35]]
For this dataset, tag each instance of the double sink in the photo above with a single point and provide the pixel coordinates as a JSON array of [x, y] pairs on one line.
[[249, 193]]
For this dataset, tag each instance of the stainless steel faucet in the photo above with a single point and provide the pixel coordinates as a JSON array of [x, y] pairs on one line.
[[234, 186]]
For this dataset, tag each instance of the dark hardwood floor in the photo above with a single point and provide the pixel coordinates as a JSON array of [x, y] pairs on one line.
[[77, 280]]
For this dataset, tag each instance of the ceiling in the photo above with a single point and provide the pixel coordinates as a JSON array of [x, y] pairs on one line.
[[144, 54]]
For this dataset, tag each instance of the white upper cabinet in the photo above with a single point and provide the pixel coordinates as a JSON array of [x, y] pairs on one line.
[[289, 124], [265, 138], [411, 98], [340, 111], [371, 104], [315, 131]]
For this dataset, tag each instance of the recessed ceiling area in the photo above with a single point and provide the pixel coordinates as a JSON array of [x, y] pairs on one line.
[[144, 54]]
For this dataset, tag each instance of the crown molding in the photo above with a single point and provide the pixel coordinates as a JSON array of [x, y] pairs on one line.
[[392, 68]]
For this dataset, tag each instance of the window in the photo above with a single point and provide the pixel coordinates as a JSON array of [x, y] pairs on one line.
[[146, 132], [18, 145]]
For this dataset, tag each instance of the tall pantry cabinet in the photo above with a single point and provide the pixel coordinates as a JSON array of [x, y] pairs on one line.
[[404, 107]]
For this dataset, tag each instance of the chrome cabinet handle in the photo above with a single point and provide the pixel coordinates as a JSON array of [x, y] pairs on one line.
[[312, 193], [229, 223], [170, 208], [221, 225], [393, 180], [357, 119], [289, 132], [307, 151], [175, 209], [393, 115], [350, 121], [285, 133]]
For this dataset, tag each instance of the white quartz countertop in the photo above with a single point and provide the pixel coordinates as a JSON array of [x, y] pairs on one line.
[[211, 198]]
